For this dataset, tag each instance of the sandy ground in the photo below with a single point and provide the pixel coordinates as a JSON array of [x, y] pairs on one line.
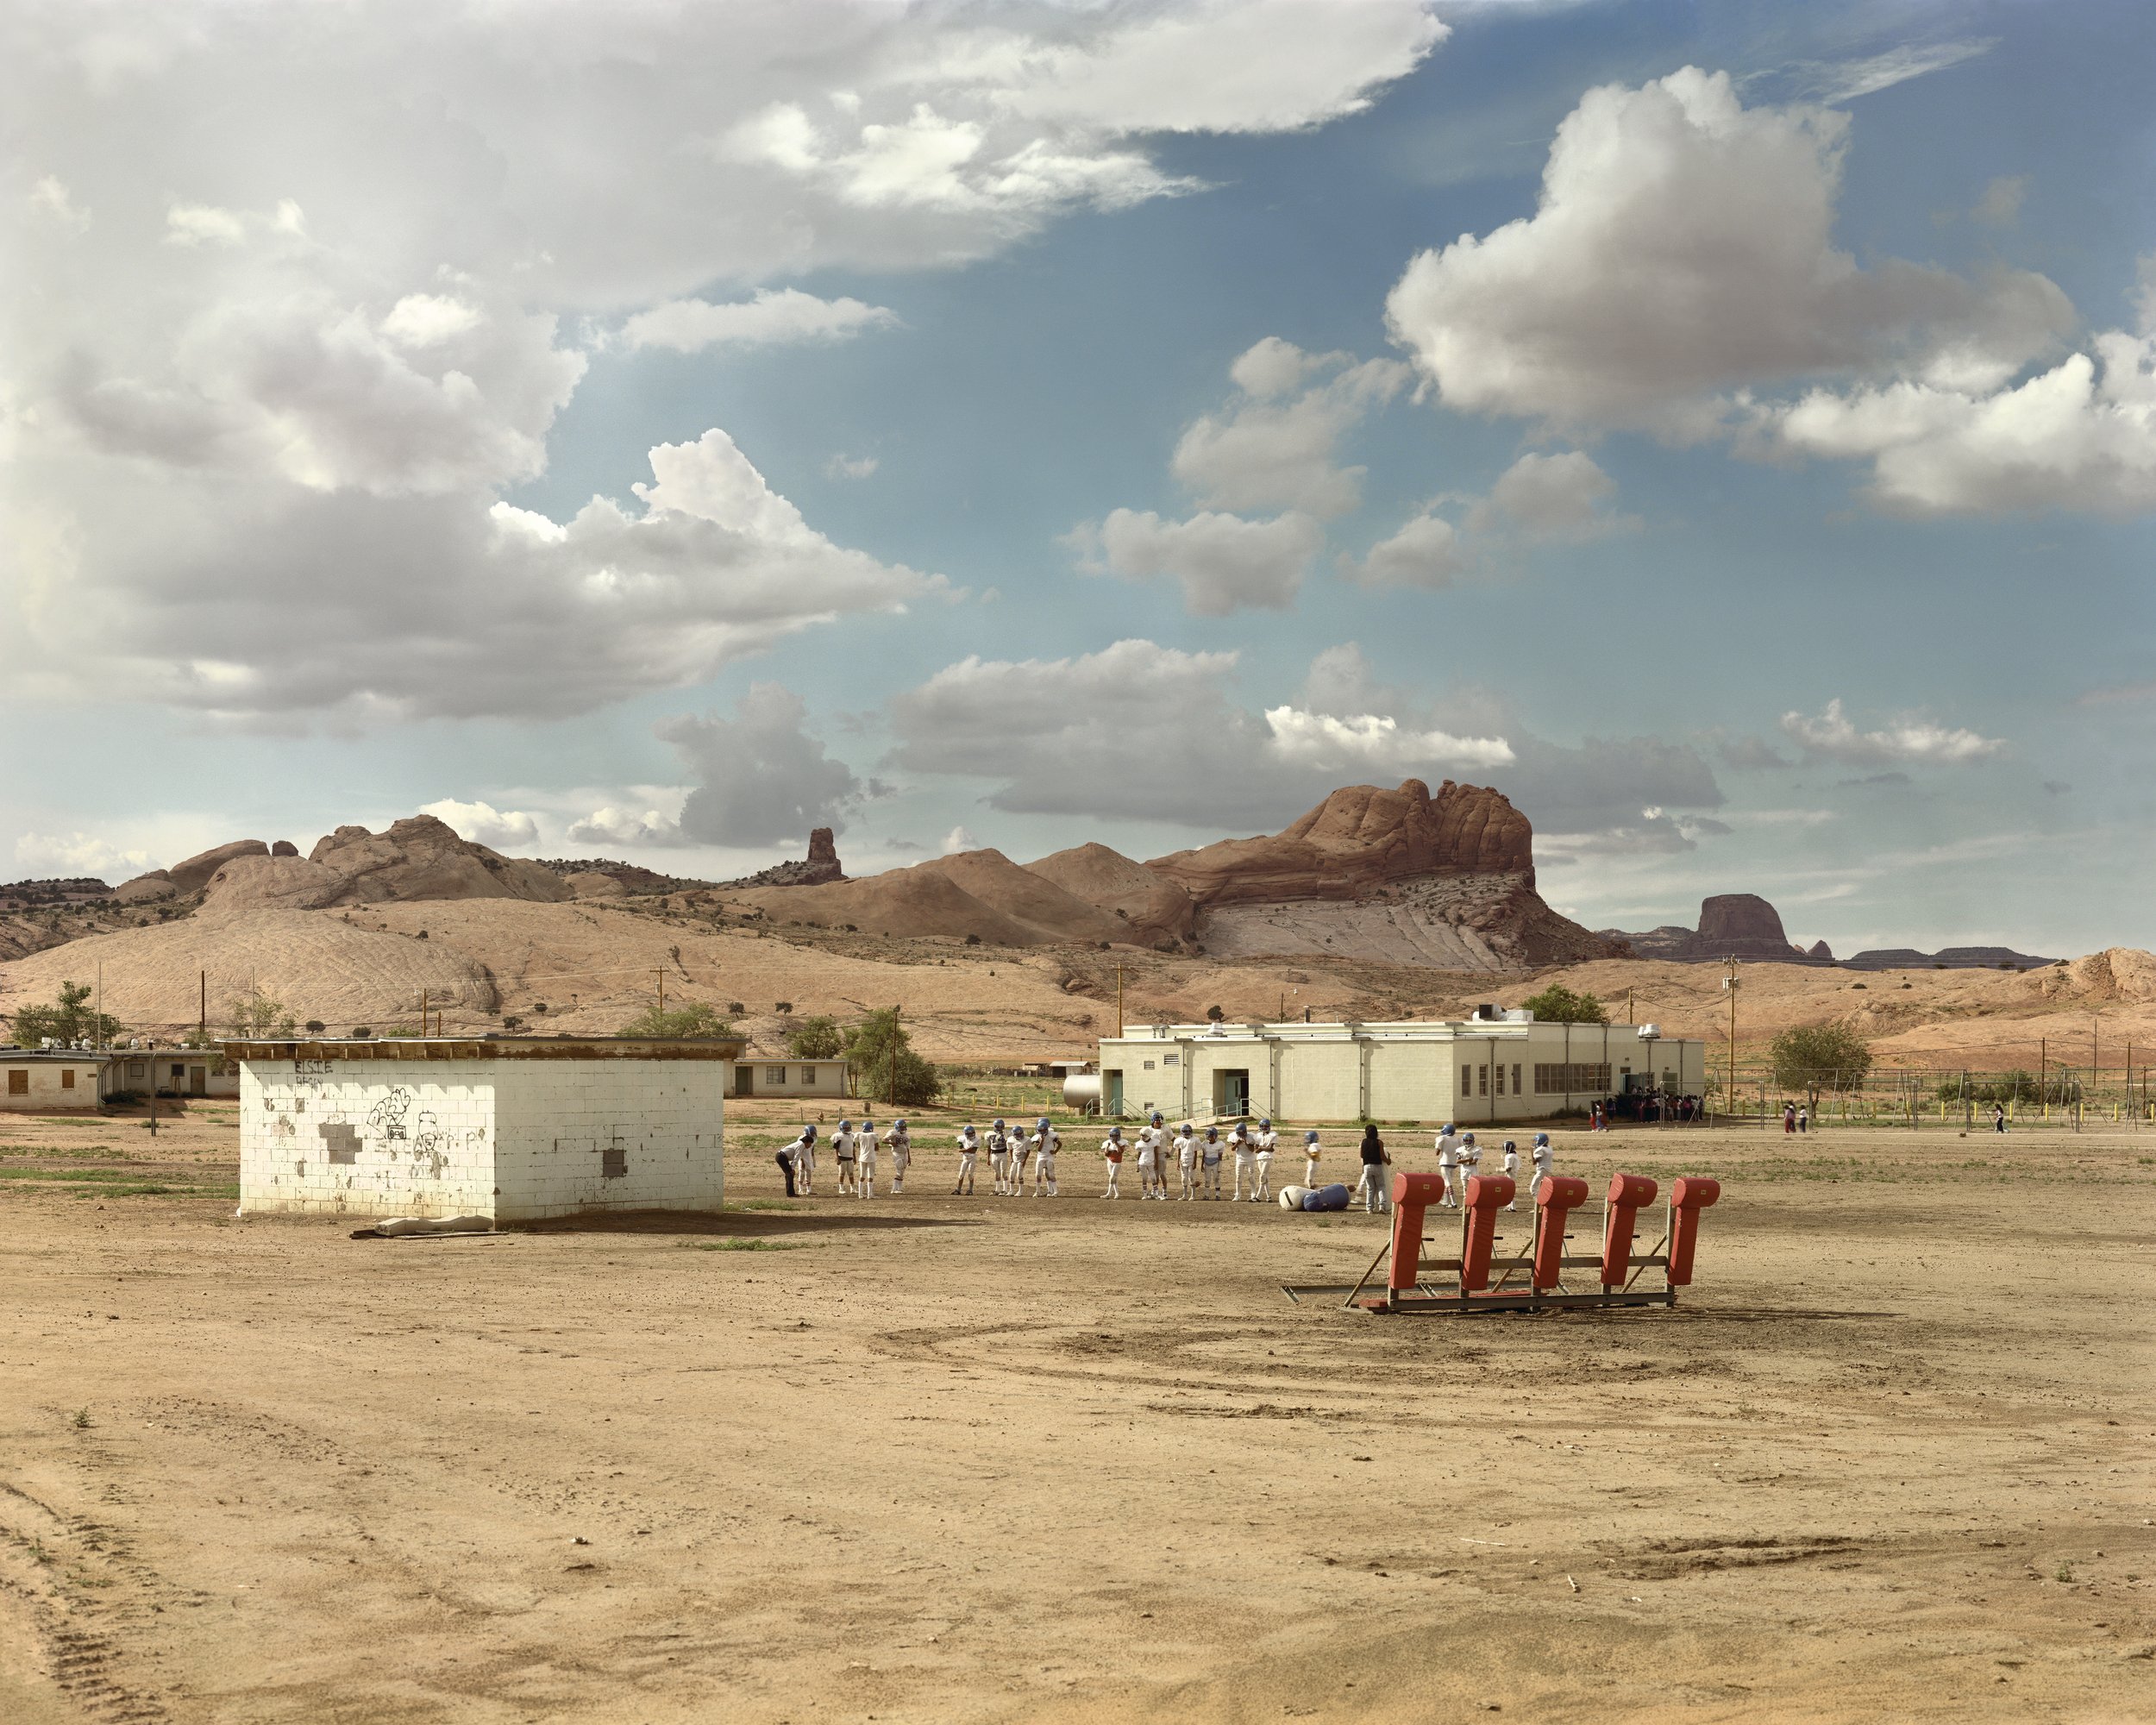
[[942, 1459]]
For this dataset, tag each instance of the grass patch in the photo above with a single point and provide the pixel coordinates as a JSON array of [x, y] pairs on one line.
[[746, 1246], [54, 1149], [112, 1183], [763, 1204]]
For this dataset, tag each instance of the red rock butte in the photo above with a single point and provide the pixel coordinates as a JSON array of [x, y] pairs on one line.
[[1362, 837]]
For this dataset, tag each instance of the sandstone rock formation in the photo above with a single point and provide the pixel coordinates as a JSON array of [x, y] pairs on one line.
[[1821, 950], [1399, 875], [194, 874], [820, 868], [283, 847], [1358, 839], [1152, 907], [418, 857], [1734, 919], [145, 889]]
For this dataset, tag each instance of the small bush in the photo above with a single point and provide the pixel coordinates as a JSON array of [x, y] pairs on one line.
[[973, 940], [315, 1026]]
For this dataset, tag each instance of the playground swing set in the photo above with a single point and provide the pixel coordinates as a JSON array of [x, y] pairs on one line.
[[1475, 1282]]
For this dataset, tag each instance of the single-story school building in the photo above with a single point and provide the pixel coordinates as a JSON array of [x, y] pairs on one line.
[[1504, 1066], [515, 1128]]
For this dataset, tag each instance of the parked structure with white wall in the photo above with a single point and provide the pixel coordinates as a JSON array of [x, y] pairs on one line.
[[42, 1080], [1500, 1068], [783, 1075], [516, 1128]]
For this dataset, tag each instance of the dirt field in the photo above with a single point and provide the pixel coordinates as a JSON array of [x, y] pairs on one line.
[[937, 1460]]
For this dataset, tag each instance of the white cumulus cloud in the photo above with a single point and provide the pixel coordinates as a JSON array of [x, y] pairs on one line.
[[1224, 562], [1682, 248], [1361, 740], [1830, 735], [1275, 447], [760, 776], [69, 855], [483, 824], [773, 317]]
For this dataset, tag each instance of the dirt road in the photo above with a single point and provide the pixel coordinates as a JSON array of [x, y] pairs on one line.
[[990, 1459]]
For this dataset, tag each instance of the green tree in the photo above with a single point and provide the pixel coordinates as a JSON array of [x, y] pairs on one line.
[[69, 1019], [255, 1015], [698, 1018], [815, 1039], [885, 1067], [1813, 1058], [1557, 1004]]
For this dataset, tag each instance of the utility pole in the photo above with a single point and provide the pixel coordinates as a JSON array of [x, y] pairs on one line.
[[202, 1004], [1729, 983], [1119, 999], [1628, 1005], [422, 1015], [2043, 1076], [660, 973]]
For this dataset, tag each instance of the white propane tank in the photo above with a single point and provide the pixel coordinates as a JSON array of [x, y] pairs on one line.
[[1081, 1091]]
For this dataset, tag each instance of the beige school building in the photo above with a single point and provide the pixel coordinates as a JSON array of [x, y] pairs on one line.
[[1503, 1067]]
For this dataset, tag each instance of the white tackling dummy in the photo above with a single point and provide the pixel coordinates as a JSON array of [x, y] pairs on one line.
[[1186, 1163], [1209, 1154], [900, 1145], [865, 1159], [968, 1150], [1246, 1159], [1512, 1172], [842, 1148], [1449, 1164], [1310, 1154], [1111, 1153], [1046, 1143], [1266, 1143]]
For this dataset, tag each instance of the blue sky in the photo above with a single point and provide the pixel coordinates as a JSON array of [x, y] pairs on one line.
[[1729, 430]]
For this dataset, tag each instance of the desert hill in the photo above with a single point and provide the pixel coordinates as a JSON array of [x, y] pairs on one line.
[[1154, 907], [978, 893]]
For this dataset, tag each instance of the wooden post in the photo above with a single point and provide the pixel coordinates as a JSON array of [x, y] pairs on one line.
[[1119, 999], [423, 1013], [202, 1002], [2043, 1077]]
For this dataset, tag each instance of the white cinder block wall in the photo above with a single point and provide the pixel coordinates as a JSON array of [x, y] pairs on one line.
[[516, 1139]]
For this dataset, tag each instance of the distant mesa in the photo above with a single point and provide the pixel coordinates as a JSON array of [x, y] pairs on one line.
[[1745, 926], [1947, 958]]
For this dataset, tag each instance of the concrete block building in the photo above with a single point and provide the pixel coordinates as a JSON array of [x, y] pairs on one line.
[[781, 1075], [516, 1128], [1502, 1067], [46, 1080]]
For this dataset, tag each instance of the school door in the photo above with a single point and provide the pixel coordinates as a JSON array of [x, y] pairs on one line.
[[1231, 1093], [744, 1080], [1112, 1093], [197, 1081]]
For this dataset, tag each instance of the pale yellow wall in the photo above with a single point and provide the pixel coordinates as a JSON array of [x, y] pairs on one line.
[[44, 1087]]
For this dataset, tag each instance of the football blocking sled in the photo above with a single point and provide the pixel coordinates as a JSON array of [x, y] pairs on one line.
[[1533, 1279]]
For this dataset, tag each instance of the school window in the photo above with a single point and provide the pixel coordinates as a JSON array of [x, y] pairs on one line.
[[774, 1075], [179, 1072], [1501, 1080], [66, 1078], [1467, 1081], [1171, 1059], [1482, 1081], [1149, 1066], [18, 1080], [808, 1075], [1556, 1078], [1516, 1090]]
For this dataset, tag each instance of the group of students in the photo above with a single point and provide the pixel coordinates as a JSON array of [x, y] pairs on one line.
[[1197, 1156], [1459, 1156], [853, 1149]]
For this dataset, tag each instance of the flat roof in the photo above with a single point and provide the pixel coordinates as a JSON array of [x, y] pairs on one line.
[[77, 1055], [483, 1048], [1294, 1030]]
